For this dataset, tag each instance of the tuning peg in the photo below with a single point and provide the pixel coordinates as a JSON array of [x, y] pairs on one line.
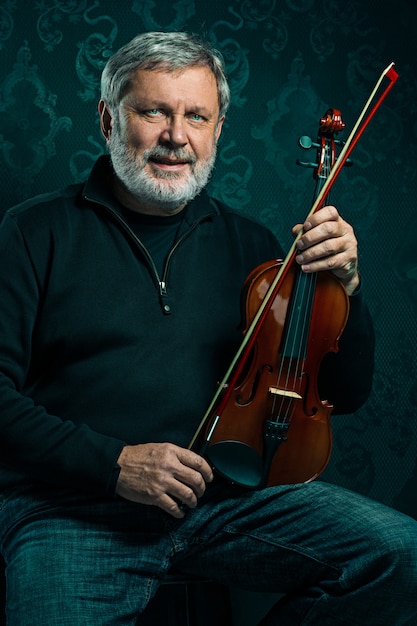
[[306, 143], [306, 163]]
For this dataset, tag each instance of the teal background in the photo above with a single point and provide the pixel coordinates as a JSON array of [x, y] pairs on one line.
[[288, 61]]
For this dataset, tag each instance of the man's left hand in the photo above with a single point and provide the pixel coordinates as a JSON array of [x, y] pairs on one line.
[[329, 243]]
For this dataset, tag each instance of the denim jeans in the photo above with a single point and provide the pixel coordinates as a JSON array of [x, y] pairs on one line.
[[340, 558]]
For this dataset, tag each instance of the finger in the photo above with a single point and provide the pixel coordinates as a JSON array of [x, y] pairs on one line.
[[314, 252], [339, 264], [297, 229], [183, 495], [196, 462], [171, 506], [327, 213], [192, 485], [328, 233]]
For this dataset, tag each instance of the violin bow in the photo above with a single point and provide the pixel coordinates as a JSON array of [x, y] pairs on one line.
[[231, 377]]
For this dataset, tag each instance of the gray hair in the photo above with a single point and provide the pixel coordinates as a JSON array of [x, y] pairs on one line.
[[169, 51]]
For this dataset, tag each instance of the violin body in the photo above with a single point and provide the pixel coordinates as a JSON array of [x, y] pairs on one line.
[[275, 398]]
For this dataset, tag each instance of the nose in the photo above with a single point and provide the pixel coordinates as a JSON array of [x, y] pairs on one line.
[[175, 133]]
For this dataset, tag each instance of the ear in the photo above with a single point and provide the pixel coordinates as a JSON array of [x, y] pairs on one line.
[[219, 128], [106, 119]]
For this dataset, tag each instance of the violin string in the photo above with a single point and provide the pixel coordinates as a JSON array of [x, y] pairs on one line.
[[299, 318], [282, 412]]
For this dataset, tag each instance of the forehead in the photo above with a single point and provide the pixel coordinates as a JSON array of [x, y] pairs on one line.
[[192, 86]]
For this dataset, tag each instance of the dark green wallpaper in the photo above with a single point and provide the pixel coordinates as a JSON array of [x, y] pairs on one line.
[[288, 61]]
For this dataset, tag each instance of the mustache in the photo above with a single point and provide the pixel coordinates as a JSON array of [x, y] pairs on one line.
[[162, 152]]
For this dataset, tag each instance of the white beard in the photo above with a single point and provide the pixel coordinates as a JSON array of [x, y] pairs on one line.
[[166, 190]]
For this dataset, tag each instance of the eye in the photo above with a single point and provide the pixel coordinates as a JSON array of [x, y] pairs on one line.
[[153, 112], [196, 117]]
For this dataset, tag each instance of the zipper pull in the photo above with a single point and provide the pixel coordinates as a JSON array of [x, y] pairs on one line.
[[163, 294]]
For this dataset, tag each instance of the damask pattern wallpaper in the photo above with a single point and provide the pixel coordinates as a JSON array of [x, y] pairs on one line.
[[288, 62]]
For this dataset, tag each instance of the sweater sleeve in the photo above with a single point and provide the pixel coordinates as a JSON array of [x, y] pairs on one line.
[[34, 442], [345, 378]]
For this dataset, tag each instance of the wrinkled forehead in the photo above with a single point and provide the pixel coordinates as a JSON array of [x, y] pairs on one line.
[[193, 86]]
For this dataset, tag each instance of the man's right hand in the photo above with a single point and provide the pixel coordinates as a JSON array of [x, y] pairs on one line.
[[163, 475]]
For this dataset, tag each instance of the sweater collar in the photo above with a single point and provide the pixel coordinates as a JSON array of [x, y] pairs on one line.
[[97, 189]]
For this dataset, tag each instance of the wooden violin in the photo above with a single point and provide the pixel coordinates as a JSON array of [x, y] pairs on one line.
[[267, 424]]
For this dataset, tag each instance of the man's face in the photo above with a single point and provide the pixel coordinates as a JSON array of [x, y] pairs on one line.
[[162, 140]]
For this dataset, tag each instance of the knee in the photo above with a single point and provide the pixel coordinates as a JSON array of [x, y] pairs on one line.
[[397, 556]]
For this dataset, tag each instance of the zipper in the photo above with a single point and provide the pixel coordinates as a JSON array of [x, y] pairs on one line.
[[161, 282]]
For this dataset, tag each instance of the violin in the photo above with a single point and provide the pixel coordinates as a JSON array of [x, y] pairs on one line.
[[267, 424]]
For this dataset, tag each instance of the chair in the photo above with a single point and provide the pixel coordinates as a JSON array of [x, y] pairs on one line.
[[183, 600]]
